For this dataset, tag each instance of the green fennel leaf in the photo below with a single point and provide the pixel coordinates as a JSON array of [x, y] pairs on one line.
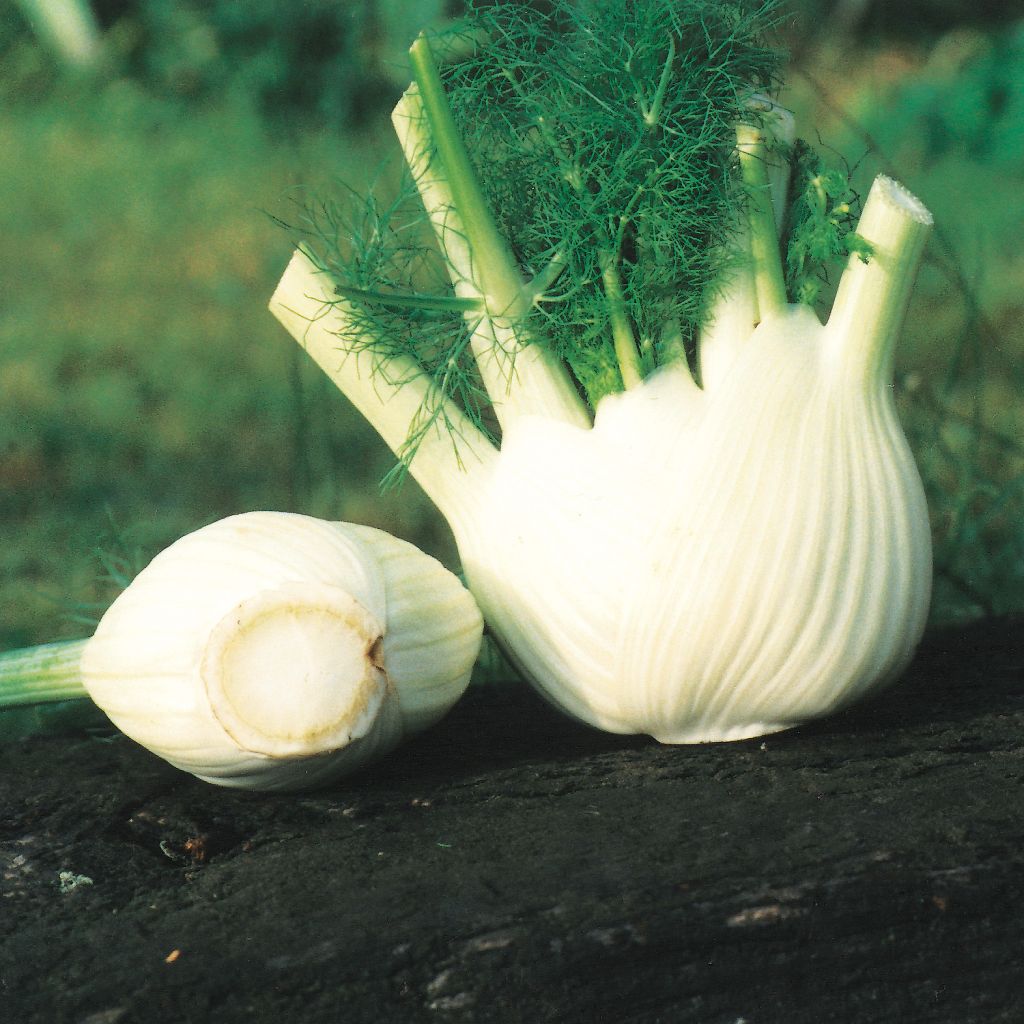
[[603, 139], [607, 131], [820, 225]]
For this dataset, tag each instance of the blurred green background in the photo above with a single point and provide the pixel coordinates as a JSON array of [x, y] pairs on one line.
[[145, 390]]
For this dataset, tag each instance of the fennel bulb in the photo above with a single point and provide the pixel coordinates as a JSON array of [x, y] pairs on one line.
[[271, 650], [698, 563]]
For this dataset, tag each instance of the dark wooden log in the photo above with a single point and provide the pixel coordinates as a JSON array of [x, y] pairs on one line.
[[514, 867]]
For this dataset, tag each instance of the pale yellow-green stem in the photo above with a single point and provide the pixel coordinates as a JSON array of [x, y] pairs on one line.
[[764, 239], [652, 113], [392, 394], [734, 309], [872, 298], [41, 675], [626, 353]]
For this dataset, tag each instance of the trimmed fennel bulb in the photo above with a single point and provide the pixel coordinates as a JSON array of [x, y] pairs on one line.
[[764, 545], [271, 650], [698, 563]]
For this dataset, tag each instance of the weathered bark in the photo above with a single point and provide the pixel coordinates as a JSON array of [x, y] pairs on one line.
[[511, 866]]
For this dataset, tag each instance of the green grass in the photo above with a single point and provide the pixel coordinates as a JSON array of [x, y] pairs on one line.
[[142, 381]]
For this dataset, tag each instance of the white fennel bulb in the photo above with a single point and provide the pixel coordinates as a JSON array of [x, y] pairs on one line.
[[275, 651], [698, 563], [710, 565]]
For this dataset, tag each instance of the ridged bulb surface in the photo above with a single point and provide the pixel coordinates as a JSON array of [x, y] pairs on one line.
[[277, 651], [710, 565]]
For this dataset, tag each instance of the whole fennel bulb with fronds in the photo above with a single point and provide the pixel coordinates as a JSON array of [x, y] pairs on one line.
[[696, 562]]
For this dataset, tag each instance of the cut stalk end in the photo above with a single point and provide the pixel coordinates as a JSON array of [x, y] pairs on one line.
[[293, 672], [873, 295]]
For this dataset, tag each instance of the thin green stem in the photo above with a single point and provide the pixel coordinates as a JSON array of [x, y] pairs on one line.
[[769, 281], [399, 300], [779, 126], [495, 269], [42, 675], [538, 286], [652, 115], [756, 280], [622, 334]]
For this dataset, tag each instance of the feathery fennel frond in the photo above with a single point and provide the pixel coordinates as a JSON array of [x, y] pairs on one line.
[[606, 133], [601, 139], [398, 299], [819, 231]]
